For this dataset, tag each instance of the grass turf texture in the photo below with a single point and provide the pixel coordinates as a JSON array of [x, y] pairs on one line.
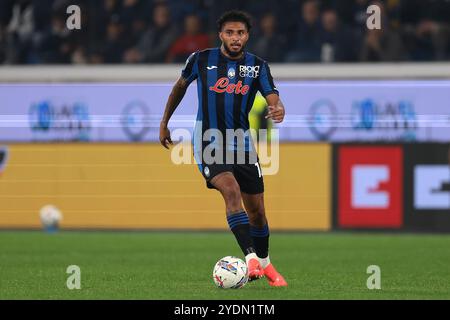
[[178, 265]]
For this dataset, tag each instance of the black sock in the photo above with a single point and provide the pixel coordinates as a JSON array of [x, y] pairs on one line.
[[260, 238], [240, 227]]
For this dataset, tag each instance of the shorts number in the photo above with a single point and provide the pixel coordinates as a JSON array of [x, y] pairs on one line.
[[259, 170]]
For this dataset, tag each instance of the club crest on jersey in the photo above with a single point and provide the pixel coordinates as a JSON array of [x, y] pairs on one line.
[[223, 85], [206, 171], [249, 71], [231, 73]]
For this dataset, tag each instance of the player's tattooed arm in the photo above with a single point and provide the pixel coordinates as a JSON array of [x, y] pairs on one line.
[[177, 94], [275, 108]]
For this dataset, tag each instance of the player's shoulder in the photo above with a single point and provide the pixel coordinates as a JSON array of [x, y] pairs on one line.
[[201, 54], [258, 59], [207, 52]]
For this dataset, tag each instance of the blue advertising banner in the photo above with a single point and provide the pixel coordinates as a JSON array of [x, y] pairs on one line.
[[335, 111]]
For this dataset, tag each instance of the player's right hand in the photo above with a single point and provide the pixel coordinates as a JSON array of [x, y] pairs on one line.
[[164, 136]]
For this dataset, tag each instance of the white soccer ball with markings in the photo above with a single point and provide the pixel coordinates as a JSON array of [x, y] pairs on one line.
[[50, 217], [230, 273]]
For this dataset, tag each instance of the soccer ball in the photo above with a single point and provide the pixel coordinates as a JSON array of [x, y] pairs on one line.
[[50, 217], [230, 273]]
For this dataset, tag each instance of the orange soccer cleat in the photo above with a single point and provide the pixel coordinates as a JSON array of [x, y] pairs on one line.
[[275, 279], [255, 271]]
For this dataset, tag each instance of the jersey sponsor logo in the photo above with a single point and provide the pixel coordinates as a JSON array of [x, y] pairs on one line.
[[223, 85], [211, 67], [249, 71], [231, 73]]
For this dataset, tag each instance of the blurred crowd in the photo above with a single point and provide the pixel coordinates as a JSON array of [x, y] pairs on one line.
[[166, 31]]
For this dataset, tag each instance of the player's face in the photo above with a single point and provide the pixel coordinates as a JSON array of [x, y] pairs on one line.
[[234, 36]]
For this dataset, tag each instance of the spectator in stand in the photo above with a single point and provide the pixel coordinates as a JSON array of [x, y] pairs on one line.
[[360, 13], [193, 39], [307, 47], [133, 17], [19, 32], [114, 45], [32, 31], [54, 45], [268, 43], [382, 45], [2, 44], [106, 10], [156, 41], [425, 42], [111, 7], [352, 12], [385, 44], [445, 42], [337, 42], [131, 10]]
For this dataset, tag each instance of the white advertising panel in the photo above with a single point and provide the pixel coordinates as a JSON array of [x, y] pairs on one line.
[[337, 111]]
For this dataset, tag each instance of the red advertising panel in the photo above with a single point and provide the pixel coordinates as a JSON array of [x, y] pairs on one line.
[[370, 187]]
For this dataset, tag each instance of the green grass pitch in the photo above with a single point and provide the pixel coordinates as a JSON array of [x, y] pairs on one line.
[[178, 265]]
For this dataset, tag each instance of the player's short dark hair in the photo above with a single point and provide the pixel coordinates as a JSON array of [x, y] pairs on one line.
[[235, 16]]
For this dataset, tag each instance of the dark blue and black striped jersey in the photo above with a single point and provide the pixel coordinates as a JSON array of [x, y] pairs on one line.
[[226, 91]]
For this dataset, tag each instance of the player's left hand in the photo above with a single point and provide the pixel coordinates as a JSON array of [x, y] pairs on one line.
[[276, 113]]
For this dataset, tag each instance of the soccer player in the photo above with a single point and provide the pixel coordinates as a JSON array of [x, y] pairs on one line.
[[228, 79]]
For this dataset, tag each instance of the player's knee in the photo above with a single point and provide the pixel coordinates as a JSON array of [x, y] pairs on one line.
[[232, 195], [256, 208]]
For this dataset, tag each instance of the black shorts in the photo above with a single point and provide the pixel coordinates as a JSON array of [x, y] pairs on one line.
[[248, 176]]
